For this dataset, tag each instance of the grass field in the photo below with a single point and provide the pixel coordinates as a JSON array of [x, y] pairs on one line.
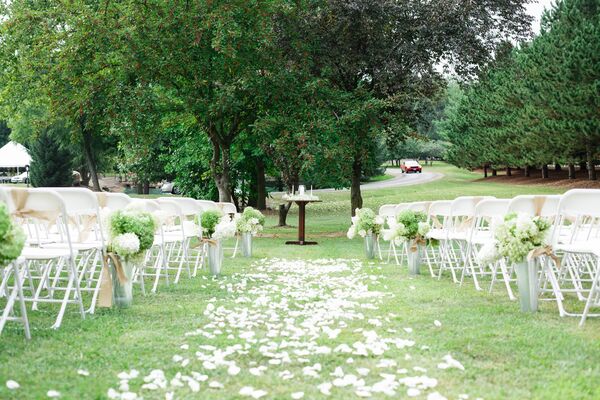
[[505, 354]]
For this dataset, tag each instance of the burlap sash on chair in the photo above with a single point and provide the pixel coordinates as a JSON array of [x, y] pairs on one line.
[[19, 198], [105, 298], [84, 224], [102, 199], [538, 205]]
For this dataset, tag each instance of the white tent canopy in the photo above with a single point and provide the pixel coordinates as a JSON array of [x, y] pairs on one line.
[[14, 155]]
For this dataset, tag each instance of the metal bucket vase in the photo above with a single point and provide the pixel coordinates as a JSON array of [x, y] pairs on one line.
[[527, 281], [122, 289], [414, 258], [370, 244], [215, 257], [246, 244]]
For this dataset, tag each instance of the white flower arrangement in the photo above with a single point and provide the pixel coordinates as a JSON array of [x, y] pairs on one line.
[[126, 244], [250, 221], [226, 228], [364, 223], [408, 225], [519, 234]]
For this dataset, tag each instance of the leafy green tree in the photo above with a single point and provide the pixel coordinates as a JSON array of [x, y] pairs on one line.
[[4, 133], [50, 163]]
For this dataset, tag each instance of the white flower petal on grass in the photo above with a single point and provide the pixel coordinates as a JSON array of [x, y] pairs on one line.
[[12, 385], [325, 388], [363, 371], [215, 385], [233, 370], [408, 330], [53, 394], [112, 394], [450, 362], [83, 372], [413, 392], [362, 393], [297, 395], [128, 396]]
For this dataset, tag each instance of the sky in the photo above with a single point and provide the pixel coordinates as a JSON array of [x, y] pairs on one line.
[[536, 9]]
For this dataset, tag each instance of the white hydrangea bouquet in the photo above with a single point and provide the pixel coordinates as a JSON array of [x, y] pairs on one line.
[[409, 227], [131, 233], [250, 221], [226, 228], [367, 225], [515, 238]]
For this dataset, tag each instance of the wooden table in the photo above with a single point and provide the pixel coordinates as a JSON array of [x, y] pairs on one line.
[[302, 222]]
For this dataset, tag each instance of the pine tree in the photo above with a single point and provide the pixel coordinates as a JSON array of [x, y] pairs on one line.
[[50, 164]]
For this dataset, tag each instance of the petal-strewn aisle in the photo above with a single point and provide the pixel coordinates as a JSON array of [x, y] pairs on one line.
[[294, 329]]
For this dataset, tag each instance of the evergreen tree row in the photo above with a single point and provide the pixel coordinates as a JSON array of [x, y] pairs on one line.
[[538, 104]]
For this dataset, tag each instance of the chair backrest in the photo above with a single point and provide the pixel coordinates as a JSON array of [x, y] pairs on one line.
[[492, 208], [227, 208], [113, 201], [441, 208], [83, 210], [387, 210], [207, 205], [148, 205], [533, 205], [422, 206], [189, 206], [578, 217], [464, 206], [400, 207]]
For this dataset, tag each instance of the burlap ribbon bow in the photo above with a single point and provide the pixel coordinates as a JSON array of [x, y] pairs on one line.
[[19, 198], [416, 242], [544, 251], [106, 290]]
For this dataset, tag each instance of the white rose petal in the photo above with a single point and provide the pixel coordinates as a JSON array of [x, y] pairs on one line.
[[12, 385]]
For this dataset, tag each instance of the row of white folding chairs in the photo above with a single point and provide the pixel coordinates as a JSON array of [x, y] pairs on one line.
[[53, 249], [462, 226]]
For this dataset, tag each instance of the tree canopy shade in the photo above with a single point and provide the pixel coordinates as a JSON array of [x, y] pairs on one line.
[[537, 104]]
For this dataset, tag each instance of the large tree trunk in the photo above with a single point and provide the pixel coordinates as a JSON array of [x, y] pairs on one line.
[[591, 166], [356, 200], [557, 167], [582, 166], [261, 186], [139, 187], [284, 209], [545, 174], [146, 187], [508, 171], [89, 156], [485, 174], [494, 172], [527, 171], [220, 167], [571, 171]]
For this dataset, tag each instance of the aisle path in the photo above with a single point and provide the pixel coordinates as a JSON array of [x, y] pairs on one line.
[[293, 329]]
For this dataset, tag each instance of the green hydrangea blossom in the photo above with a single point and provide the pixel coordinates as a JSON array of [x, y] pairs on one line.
[[519, 234], [414, 223], [12, 238], [140, 223], [209, 220]]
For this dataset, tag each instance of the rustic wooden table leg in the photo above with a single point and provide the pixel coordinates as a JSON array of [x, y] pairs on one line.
[[301, 221]]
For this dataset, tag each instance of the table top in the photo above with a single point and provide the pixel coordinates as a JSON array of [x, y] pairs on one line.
[[303, 201]]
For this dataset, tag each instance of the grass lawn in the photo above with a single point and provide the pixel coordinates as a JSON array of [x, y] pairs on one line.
[[505, 354]]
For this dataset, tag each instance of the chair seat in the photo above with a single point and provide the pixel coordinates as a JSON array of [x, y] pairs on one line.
[[583, 247], [458, 235], [437, 234], [39, 253], [482, 238], [80, 246]]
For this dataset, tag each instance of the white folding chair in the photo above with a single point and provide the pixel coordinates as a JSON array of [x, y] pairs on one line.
[[113, 201], [576, 236], [231, 210], [208, 205], [16, 295], [175, 239], [461, 221], [488, 213], [191, 209], [44, 214], [85, 224], [438, 218]]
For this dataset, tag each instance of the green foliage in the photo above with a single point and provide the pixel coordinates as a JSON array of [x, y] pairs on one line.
[[411, 220], [140, 223], [50, 162], [519, 234], [250, 213], [4, 133], [12, 237], [209, 220]]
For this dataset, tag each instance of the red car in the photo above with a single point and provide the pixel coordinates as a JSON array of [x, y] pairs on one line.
[[410, 166]]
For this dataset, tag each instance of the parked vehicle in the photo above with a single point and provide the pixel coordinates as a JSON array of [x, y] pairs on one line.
[[21, 178], [169, 187], [408, 166]]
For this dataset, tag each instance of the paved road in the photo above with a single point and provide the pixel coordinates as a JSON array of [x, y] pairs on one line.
[[399, 179]]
